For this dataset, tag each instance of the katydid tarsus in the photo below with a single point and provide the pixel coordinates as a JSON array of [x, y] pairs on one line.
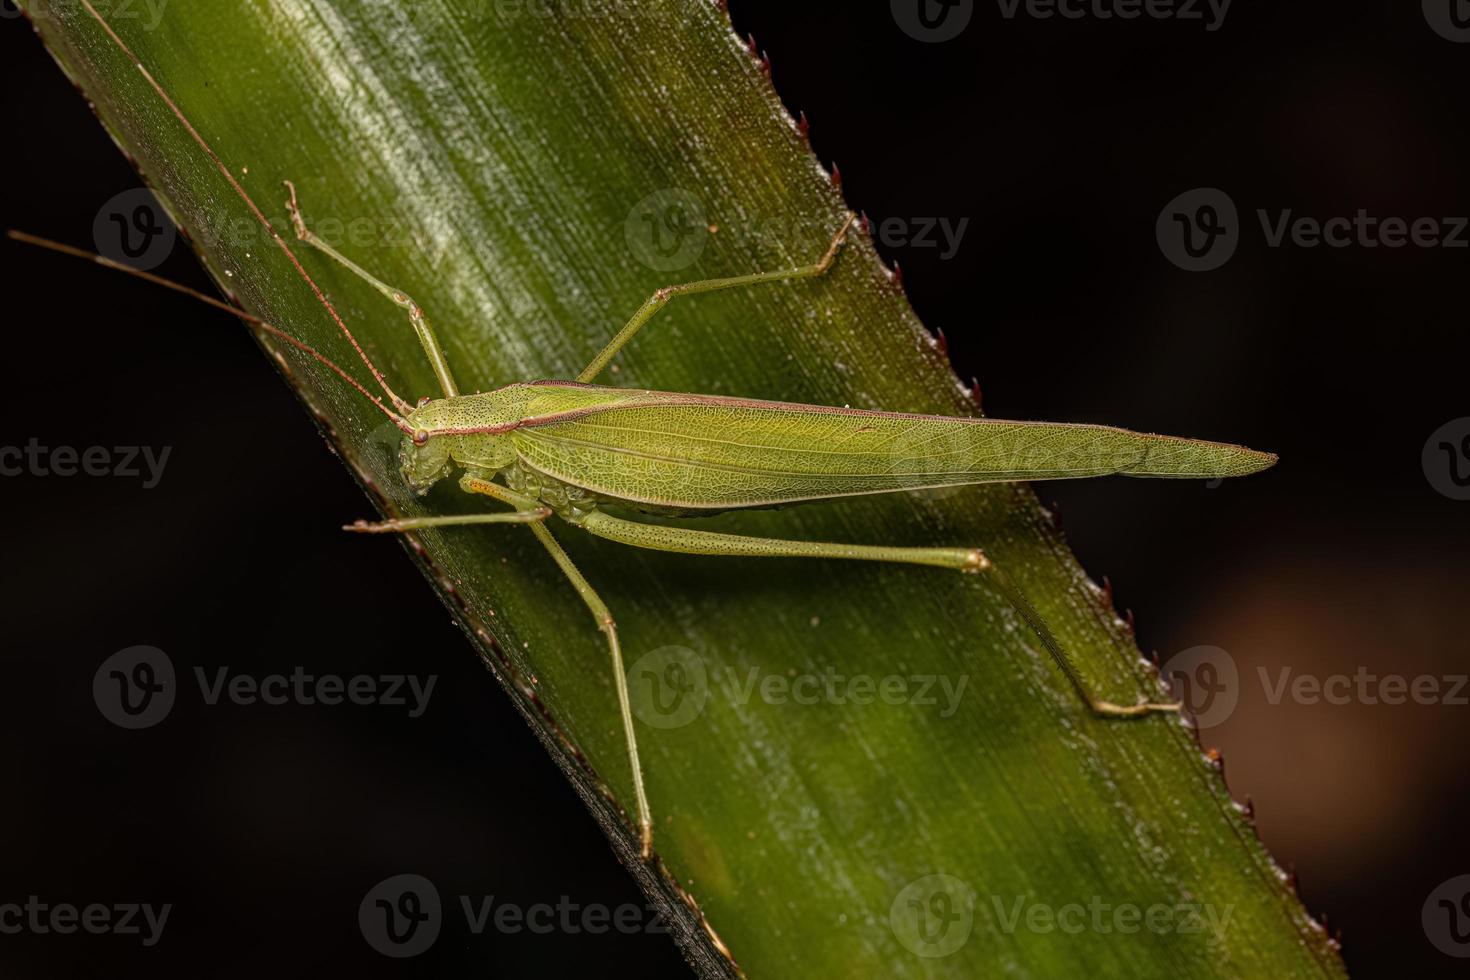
[[588, 454]]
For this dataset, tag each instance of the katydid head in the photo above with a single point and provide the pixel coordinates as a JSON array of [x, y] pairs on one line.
[[468, 430], [425, 451], [424, 460], [424, 454]]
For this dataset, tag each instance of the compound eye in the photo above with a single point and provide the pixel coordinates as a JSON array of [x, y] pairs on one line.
[[423, 401], [421, 437]]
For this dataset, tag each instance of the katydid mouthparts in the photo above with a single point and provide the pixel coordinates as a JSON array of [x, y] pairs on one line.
[[591, 455]]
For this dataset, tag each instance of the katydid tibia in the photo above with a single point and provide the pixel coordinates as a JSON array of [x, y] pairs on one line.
[[574, 449]]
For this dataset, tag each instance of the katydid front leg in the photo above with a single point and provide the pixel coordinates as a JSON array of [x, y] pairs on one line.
[[402, 524], [430, 342], [659, 537], [532, 512], [608, 627]]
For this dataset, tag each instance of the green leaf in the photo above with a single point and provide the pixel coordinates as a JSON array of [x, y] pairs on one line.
[[530, 173]]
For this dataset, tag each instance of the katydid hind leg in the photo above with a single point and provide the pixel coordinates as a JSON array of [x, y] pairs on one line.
[[421, 326], [661, 297], [973, 561]]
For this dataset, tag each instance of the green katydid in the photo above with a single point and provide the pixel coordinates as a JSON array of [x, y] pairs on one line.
[[583, 453]]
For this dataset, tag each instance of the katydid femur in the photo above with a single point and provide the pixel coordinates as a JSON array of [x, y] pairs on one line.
[[570, 449]]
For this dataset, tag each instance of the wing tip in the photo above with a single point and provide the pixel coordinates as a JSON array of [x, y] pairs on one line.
[[1198, 459]]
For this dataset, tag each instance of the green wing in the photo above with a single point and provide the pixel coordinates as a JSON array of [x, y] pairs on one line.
[[701, 452]]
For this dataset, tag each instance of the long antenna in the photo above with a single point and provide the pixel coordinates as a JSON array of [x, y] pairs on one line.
[[53, 246], [402, 406]]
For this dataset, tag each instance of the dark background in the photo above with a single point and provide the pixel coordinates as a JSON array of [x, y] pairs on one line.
[[1060, 141]]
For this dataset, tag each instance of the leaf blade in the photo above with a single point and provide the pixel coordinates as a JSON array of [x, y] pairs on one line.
[[505, 204]]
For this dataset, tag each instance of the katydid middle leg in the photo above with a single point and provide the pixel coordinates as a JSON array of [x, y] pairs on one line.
[[659, 537], [661, 297]]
